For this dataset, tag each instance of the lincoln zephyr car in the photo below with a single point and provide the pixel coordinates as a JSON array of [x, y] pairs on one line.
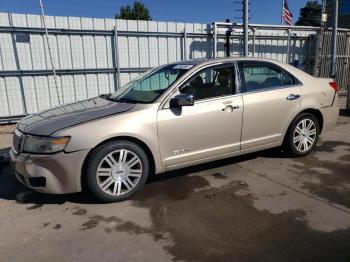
[[173, 116]]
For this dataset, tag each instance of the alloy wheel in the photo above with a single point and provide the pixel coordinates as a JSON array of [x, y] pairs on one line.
[[119, 172], [305, 134]]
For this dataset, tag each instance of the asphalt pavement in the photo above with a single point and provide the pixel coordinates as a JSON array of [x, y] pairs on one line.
[[258, 207]]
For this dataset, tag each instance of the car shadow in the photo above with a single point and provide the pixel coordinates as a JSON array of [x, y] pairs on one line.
[[344, 112], [12, 189]]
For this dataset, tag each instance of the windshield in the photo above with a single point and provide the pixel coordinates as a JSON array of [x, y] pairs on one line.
[[149, 86]]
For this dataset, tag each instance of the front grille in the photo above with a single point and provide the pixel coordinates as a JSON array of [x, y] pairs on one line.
[[17, 140], [32, 181], [37, 181]]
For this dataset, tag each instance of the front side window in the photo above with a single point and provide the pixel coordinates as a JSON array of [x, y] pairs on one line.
[[148, 87], [258, 76], [209, 83]]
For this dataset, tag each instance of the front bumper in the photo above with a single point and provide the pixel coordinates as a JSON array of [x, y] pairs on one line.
[[55, 174]]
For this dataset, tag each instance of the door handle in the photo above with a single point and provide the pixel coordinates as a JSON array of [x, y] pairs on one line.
[[230, 108], [292, 97]]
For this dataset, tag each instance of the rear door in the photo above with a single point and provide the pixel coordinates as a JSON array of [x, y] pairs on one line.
[[271, 97]]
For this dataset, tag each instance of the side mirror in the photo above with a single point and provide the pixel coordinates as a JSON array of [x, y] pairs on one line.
[[182, 100]]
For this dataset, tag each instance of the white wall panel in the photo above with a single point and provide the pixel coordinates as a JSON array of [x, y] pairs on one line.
[[65, 59], [7, 52], [37, 52], [19, 20], [153, 48], [77, 51], [68, 89], [34, 21], [92, 86], [100, 43], [103, 83], [144, 52], [133, 47], [4, 19], [89, 51], [14, 95], [24, 55], [30, 94], [95, 51], [55, 90], [43, 92], [123, 51], [61, 22], [80, 87], [4, 101]]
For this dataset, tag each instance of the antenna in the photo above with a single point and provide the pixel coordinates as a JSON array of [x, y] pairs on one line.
[[49, 49]]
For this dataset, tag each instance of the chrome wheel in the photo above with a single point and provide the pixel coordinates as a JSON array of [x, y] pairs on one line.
[[119, 172], [305, 135]]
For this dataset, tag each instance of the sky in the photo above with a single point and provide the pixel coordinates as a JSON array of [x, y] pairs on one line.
[[200, 11]]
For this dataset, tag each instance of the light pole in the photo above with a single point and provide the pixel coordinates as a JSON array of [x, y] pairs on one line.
[[245, 25]]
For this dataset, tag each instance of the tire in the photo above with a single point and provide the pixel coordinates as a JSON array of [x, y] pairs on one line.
[[302, 135], [116, 170]]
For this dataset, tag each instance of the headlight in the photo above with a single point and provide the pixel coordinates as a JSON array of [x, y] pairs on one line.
[[43, 145]]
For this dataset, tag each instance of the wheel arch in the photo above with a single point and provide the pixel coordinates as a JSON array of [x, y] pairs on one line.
[[316, 112], [143, 145]]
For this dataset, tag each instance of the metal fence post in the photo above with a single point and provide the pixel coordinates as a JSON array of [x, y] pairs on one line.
[[288, 46], [214, 40], [116, 56], [333, 70], [318, 52], [18, 65], [254, 32], [185, 45]]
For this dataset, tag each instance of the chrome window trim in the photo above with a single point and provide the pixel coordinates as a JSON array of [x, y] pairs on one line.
[[216, 98], [270, 89]]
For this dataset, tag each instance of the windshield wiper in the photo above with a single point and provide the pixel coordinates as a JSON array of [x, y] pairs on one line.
[[110, 98], [116, 99], [126, 100], [105, 96]]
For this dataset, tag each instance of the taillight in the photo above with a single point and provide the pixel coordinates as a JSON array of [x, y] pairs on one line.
[[334, 86]]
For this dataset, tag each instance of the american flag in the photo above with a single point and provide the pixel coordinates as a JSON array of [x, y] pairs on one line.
[[286, 14]]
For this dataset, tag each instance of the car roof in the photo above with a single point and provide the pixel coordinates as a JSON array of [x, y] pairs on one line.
[[205, 62], [223, 59]]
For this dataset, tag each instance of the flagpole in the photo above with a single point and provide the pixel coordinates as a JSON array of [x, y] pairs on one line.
[[282, 12]]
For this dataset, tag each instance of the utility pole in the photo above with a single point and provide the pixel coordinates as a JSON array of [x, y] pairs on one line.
[[334, 39], [245, 25]]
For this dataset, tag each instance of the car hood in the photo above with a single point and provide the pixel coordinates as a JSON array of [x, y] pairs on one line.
[[49, 121]]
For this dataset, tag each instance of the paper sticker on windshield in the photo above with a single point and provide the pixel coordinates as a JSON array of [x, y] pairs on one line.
[[182, 67]]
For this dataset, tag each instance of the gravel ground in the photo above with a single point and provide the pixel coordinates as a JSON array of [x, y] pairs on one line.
[[7, 129]]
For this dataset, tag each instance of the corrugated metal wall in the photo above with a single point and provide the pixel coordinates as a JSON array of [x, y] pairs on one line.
[[89, 59]]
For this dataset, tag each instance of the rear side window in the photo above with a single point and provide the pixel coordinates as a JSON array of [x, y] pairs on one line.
[[257, 76]]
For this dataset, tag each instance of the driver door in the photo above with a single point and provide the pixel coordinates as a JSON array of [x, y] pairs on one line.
[[209, 128]]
